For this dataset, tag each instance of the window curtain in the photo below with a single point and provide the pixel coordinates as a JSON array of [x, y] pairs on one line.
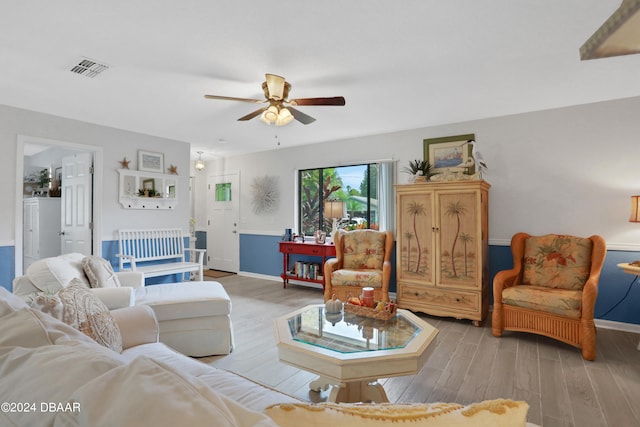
[[386, 195]]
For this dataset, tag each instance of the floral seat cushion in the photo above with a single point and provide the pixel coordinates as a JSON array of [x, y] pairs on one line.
[[360, 277], [557, 261], [363, 249], [563, 302]]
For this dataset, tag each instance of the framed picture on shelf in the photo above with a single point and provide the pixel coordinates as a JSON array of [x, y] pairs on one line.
[[149, 184], [320, 236], [172, 191], [28, 188], [149, 161], [449, 153]]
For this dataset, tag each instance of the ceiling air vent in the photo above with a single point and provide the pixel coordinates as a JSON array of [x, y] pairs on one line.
[[88, 67]]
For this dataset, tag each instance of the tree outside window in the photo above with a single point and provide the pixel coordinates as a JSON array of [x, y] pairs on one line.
[[356, 186]]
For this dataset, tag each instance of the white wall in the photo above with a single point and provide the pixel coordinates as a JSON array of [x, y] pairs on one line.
[[117, 144], [568, 170]]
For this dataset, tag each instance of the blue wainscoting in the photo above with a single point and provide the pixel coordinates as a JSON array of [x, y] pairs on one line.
[[201, 240], [7, 266], [612, 304], [259, 254], [618, 298]]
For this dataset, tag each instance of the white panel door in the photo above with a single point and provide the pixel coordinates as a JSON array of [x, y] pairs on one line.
[[76, 204], [223, 240]]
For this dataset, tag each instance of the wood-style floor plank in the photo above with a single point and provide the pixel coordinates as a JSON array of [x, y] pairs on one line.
[[554, 397], [467, 363], [582, 398]]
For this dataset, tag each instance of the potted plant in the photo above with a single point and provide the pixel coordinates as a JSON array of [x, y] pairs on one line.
[[421, 170], [147, 192], [43, 178]]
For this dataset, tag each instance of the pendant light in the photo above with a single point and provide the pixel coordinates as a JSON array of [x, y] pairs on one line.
[[199, 166]]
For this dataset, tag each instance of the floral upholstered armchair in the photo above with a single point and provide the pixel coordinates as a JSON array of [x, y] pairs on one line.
[[362, 259], [551, 289]]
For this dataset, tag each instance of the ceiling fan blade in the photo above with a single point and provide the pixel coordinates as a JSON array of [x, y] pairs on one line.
[[233, 98], [336, 100], [276, 86], [252, 115], [300, 116]]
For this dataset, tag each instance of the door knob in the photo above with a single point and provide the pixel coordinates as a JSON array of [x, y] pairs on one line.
[[61, 233]]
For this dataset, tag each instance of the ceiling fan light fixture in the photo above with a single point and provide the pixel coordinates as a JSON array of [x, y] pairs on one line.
[[270, 115], [276, 92], [284, 117]]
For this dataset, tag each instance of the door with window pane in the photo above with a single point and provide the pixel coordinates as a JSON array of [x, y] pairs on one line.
[[223, 241]]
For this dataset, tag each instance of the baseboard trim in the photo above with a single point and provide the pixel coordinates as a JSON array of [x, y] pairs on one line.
[[618, 326], [279, 279], [260, 276]]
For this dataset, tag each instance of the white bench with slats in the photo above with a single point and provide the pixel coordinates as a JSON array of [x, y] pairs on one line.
[[158, 252]]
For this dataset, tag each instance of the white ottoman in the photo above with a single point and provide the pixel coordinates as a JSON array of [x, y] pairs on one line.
[[194, 317]]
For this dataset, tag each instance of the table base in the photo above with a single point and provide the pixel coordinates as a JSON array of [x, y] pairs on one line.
[[353, 391]]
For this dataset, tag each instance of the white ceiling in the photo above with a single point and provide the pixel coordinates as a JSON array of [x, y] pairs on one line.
[[400, 65]]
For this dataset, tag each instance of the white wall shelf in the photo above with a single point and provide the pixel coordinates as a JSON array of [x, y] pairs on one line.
[[131, 182]]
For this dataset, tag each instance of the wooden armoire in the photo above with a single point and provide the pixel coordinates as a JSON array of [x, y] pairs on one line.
[[442, 231]]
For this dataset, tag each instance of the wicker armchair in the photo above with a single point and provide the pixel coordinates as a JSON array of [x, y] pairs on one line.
[[551, 289], [362, 259]]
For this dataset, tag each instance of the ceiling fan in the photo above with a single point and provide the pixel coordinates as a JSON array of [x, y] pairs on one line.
[[280, 109]]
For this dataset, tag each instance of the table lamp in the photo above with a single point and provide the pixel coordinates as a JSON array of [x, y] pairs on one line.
[[334, 209], [635, 209]]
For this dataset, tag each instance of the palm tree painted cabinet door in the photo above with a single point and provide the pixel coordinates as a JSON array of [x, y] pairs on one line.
[[442, 247]]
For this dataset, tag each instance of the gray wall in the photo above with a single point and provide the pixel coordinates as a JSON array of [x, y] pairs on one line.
[[116, 145], [568, 170]]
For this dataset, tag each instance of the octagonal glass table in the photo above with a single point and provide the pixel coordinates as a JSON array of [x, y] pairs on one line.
[[350, 353]]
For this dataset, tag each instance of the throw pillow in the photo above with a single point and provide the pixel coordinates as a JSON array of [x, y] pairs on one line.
[[490, 413], [52, 274], [363, 249], [76, 306], [100, 273], [557, 261]]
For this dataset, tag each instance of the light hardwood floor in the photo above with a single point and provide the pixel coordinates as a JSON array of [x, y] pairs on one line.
[[467, 364]]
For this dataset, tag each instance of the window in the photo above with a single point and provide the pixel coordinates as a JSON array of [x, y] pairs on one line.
[[355, 186], [223, 192]]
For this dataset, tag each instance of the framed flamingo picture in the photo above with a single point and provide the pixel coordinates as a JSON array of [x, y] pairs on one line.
[[450, 153]]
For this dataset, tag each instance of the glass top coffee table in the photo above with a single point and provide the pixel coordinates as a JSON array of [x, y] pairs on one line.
[[350, 352]]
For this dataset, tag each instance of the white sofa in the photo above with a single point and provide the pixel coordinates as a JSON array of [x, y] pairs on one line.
[[43, 361], [194, 317], [54, 375]]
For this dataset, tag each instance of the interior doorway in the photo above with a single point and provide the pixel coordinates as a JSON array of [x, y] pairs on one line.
[[27, 146]]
